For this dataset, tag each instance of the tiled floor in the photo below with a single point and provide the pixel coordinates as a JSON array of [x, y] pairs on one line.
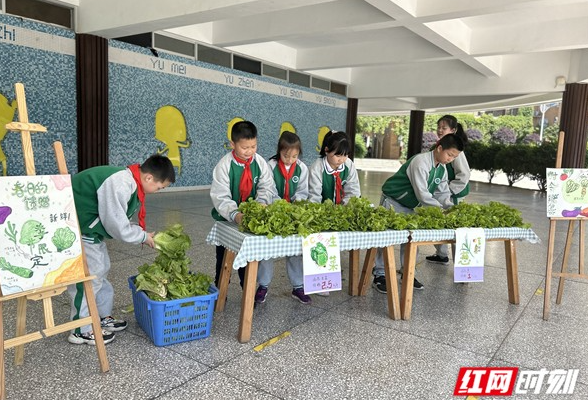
[[340, 347]]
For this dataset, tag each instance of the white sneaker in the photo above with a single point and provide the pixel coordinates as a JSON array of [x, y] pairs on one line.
[[88, 338]]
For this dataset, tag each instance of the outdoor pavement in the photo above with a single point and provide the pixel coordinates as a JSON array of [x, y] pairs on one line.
[[340, 347]]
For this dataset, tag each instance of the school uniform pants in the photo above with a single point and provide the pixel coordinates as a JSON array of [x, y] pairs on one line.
[[388, 203], [98, 262], [265, 272]]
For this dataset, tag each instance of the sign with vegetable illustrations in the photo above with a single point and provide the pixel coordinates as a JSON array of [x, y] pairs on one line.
[[470, 247], [567, 193], [321, 262], [39, 233]]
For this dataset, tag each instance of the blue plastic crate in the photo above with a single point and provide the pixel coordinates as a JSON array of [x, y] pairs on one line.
[[174, 321]]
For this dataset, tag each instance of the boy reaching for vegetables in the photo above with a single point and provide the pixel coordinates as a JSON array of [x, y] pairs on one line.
[[106, 197], [412, 186], [239, 175]]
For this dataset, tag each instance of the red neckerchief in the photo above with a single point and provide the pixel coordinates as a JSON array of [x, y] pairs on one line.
[[140, 193], [339, 193], [246, 182], [287, 176]]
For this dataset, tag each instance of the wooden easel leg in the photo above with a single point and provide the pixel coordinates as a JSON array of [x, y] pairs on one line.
[[391, 283], [93, 310], [2, 370], [410, 254], [548, 270], [565, 260], [247, 302], [21, 328], [512, 271], [366, 273], [353, 272], [223, 280]]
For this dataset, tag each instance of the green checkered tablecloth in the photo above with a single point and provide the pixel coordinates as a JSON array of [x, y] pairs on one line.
[[250, 247], [431, 235]]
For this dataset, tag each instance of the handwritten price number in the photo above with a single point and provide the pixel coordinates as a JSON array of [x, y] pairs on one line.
[[327, 284]]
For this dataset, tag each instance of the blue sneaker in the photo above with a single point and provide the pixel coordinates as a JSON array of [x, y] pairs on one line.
[[298, 294], [261, 294]]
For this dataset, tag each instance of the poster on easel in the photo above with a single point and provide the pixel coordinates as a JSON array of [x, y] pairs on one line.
[[40, 244], [470, 248], [567, 193], [321, 262]]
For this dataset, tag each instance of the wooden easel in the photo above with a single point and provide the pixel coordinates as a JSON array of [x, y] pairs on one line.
[[564, 265], [44, 293]]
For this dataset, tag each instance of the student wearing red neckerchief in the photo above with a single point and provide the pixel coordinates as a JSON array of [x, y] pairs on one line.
[[106, 198], [291, 177], [333, 175], [238, 176]]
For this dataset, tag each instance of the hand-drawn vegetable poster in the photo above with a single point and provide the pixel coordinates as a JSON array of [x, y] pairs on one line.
[[470, 246], [567, 193], [39, 233], [321, 262]]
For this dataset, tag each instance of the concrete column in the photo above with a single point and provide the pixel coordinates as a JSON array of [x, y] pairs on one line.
[[574, 122], [415, 132]]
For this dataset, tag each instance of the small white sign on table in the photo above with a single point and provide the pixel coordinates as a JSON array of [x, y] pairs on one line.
[[470, 246], [321, 262]]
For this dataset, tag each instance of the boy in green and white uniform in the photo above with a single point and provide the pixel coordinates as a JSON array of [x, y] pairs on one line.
[[239, 175], [413, 186], [106, 198]]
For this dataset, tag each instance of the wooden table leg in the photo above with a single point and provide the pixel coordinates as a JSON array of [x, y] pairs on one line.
[[366, 273], [512, 271], [353, 272], [391, 283], [247, 302], [223, 280], [410, 253]]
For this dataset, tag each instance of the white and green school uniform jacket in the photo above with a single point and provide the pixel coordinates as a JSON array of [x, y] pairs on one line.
[[106, 198], [321, 182], [416, 181], [298, 185], [224, 191], [458, 175]]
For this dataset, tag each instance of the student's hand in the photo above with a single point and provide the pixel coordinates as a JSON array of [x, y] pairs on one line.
[[149, 239], [239, 218]]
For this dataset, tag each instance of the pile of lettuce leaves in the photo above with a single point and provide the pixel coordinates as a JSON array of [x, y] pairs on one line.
[[168, 277], [303, 217]]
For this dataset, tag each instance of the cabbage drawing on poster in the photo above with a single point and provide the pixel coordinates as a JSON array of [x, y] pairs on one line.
[[39, 233], [567, 193]]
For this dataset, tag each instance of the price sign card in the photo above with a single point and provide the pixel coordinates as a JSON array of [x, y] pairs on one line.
[[321, 262], [470, 247]]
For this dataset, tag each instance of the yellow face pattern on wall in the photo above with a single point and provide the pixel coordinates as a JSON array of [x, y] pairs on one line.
[[6, 116], [170, 129], [323, 130], [287, 127], [230, 124]]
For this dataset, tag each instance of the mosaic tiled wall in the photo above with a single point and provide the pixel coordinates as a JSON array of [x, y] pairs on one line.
[[203, 99], [42, 57], [208, 97]]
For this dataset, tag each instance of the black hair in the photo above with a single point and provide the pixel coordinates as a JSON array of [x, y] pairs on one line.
[[243, 130], [336, 141], [288, 140], [451, 142], [160, 167], [452, 123]]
